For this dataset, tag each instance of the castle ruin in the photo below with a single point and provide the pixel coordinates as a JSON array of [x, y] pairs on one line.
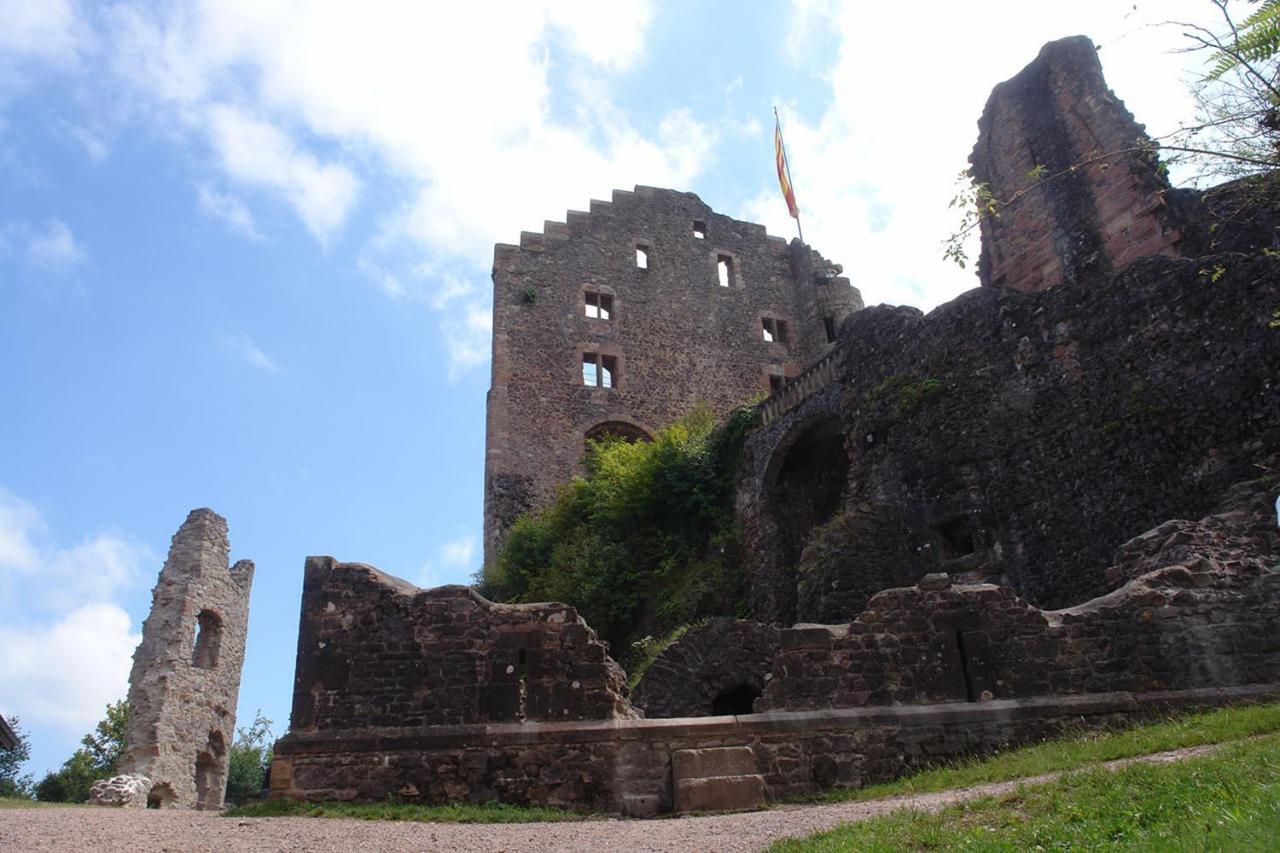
[[943, 515], [186, 672]]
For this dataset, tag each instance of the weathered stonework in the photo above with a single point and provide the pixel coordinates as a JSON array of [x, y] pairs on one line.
[[186, 672], [126, 792], [1098, 200], [1014, 438], [676, 338], [716, 668], [376, 651]]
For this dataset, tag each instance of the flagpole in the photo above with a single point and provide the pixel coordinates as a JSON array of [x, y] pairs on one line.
[[786, 162]]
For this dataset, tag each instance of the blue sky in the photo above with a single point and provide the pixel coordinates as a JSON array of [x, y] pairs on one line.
[[244, 254]]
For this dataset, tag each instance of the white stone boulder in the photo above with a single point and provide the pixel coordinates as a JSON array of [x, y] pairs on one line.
[[128, 791]]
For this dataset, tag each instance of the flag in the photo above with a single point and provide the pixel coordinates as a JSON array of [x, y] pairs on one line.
[[784, 173]]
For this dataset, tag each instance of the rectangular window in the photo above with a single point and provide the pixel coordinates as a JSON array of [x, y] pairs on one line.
[[699, 229], [599, 371], [829, 324], [775, 331], [769, 333], [724, 269], [775, 383], [642, 256], [599, 306]]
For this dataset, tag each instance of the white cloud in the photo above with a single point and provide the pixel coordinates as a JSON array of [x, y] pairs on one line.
[[65, 643], [64, 674], [258, 153], [47, 30], [459, 552], [54, 247], [230, 210], [874, 172], [452, 562], [243, 347]]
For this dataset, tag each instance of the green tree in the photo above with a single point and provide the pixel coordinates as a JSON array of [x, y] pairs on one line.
[[97, 758], [11, 761], [250, 758]]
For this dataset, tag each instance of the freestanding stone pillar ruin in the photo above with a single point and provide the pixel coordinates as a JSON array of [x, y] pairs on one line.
[[186, 672]]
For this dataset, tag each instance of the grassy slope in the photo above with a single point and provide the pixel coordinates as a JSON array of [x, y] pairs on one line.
[[1225, 801], [1220, 726]]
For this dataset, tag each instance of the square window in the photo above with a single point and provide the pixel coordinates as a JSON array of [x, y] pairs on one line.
[[599, 306], [599, 371], [699, 229]]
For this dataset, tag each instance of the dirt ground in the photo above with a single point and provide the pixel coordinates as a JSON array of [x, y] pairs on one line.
[[100, 829]]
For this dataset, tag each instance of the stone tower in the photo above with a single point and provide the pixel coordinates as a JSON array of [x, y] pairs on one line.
[[186, 672], [621, 320], [1100, 200]]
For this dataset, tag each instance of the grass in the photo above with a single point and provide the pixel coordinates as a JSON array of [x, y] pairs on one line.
[[24, 803], [1224, 801], [452, 813], [1219, 726]]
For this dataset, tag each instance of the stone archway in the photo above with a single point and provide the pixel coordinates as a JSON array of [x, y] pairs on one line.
[[715, 669], [623, 430], [803, 488]]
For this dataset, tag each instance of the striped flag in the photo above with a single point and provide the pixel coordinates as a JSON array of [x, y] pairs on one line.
[[784, 172]]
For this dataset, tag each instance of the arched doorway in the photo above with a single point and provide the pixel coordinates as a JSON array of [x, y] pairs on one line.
[[804, 488]]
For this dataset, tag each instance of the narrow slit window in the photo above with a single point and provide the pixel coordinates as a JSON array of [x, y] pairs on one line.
[[724, 269], [770, 333], [829, 324], [599, 306], [699, 229], [642, 256]]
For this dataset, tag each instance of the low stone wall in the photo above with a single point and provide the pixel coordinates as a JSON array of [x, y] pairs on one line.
[[625, 765]]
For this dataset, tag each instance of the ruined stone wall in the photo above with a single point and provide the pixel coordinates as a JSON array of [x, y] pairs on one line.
[[717, 668], [1212, 619], [626, 766], [676, 337], [375, 651], [1095, 203], [186, 672], [1021, 438]]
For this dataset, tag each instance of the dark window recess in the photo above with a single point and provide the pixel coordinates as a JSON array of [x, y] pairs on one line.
[[642, 256], [955, 538], [775, 383], [829, 324], [599, 306], [735, 700], [204, 653], [699, 229], [599, 371], [724, 269]]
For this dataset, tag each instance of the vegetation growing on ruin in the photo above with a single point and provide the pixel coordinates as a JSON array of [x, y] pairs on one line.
[[906, 391], [643, 543]]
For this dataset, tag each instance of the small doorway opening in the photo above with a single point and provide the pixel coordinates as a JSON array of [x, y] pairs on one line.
[[736, 700]]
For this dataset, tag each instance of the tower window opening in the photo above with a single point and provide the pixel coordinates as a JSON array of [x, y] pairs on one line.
[[724, 268], [774, 331], [208, 639], [829, 324], [699, 229], [599, 371], [775, 383], [599, 306], [642, 256]]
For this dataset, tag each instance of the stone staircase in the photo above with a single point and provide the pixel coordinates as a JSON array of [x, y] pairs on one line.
[[719, 779]]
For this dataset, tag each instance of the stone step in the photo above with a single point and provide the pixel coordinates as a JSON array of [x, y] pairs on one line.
[[719, 793], [712, 761]]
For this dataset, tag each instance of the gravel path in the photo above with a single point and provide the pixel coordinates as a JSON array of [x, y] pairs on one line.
[[100, 829]]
